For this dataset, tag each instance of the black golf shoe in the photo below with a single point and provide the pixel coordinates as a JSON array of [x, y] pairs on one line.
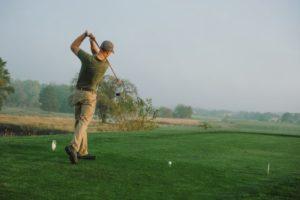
[[86, 157], [72, 154]]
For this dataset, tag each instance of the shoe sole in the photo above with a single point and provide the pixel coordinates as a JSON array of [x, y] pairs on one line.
[[87, 157], [71, 158]]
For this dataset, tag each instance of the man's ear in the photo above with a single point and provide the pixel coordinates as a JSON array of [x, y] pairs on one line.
[[95, 52]]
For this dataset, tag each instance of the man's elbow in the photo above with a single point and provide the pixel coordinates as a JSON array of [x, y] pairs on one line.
[[74, 49]]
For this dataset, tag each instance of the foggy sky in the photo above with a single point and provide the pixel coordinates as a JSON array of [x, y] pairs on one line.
[[235, 55]]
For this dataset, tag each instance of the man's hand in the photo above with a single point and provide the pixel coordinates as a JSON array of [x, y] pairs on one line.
[[94, 47], [86, 33], [91, 36]]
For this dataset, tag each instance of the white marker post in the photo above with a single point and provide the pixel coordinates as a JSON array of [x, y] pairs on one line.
[[53, 146], [268, 169]]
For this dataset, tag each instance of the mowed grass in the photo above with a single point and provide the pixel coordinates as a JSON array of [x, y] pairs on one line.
[[134, 165]]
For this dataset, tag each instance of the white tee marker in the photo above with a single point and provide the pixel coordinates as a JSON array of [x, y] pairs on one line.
[[268, 169], [53, 146], [170, 163]]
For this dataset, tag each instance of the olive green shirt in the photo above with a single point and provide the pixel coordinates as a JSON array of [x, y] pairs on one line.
[[92, 71]]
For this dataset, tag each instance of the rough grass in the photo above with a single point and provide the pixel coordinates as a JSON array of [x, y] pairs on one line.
[[35, 125], [34, 117], [34, 121], [219, 165], [256, 127], [27, 111], [176, 121], [44, 124]]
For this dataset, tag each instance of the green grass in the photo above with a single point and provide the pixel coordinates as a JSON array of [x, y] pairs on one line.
[[133, 165], [253, 126]]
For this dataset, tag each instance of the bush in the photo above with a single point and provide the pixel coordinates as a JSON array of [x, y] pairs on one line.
[[182, 111], [134, 114], [127, 110], [165, 112]]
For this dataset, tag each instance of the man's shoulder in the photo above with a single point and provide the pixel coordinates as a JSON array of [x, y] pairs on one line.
[[84, 56], [83, 53]]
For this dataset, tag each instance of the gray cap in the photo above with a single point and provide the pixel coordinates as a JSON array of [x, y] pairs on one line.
[[107, 46]]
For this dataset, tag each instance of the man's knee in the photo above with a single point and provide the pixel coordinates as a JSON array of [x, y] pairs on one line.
[[85, 119]]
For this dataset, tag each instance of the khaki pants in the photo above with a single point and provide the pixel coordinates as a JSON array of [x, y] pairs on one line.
[[85, 104]]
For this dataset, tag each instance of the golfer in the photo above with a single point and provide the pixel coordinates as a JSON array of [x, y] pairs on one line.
[[93, 68]]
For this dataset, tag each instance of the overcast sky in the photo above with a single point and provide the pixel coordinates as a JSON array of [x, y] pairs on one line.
[[235, 55]]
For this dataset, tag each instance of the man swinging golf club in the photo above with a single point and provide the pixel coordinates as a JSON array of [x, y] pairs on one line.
[[93, 68]]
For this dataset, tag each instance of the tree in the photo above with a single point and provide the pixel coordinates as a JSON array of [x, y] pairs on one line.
[[49, 99], [165, 112], [126, 110], [108, 103], [291, 117], [182, 111], [5, 87], [26, 94], [134, 113], [63, 92]]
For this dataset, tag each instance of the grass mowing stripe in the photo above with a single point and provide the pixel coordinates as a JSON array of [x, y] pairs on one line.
[[134, 166]]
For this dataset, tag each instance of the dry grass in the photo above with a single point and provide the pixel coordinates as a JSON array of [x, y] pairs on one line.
[[66, 124], [57, 123], [52, 123], [174, 121]]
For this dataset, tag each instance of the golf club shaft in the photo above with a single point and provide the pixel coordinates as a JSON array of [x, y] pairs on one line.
[[111, 66], [107, 60]]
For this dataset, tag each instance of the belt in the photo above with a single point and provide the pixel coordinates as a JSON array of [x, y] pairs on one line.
[[86, 89]]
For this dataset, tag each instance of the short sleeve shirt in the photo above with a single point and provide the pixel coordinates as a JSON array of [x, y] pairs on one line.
[[92, 71]]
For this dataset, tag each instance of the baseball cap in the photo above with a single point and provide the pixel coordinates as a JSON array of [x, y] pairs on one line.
[[107, 46]]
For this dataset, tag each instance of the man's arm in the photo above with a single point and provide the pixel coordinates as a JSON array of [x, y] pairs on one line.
[[94, 48], [77, 42]]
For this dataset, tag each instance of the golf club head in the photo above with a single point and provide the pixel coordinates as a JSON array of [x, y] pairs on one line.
[[119, 90]]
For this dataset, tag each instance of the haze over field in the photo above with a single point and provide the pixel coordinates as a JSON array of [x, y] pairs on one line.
[[236, 55]]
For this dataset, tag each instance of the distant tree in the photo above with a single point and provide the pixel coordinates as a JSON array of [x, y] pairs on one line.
[[5, 87], [297, 118], [165, 112], [255, 116], [212, 113], [183, 111], [26, 94], [49, 99], [62, 93], [290, 117]]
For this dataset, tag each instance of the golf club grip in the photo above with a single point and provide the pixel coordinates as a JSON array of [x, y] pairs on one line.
[[107, 60]]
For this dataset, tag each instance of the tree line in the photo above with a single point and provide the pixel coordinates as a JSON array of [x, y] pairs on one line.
[[55, 98], [32, 94], [120, 104], [180, 111], [226, 115]]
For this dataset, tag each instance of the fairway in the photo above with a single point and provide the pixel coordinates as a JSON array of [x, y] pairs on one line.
[[134, 165]]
